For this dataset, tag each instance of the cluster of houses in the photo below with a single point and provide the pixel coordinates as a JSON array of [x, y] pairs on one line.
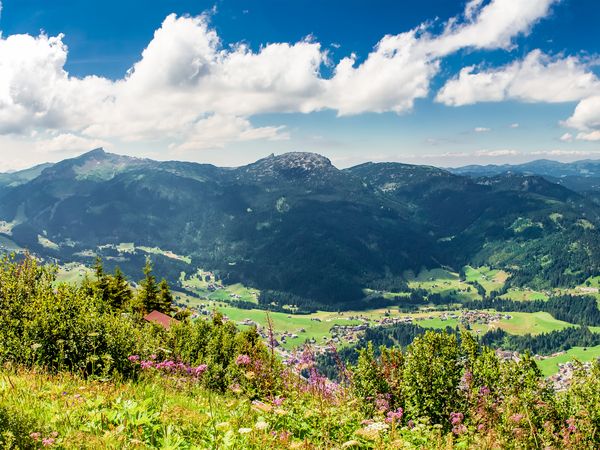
[[483, 317], [562, 380]]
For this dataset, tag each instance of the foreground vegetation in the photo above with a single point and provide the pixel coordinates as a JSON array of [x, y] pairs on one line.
[[80, 368]]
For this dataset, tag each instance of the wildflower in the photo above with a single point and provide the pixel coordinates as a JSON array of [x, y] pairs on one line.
[[517, 417], [235, 388], [411, 424], [382, 403], [571, 425], [245, 430], [146, 364], [261, 425], [242, 360], [484, 390], [459, 429], [200, 369], [377, 426], [456, 418], [133, 358], [54, 434], [259, 406], [394, 416], [278, 401], [48, 442], [35, 436]]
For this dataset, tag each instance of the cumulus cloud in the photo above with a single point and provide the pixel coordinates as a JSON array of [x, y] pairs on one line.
[[481, 129], [586, 118], [537, 78], [190, 89], [69, 143]]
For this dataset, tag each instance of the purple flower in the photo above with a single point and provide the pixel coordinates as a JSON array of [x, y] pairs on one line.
[[456, 418], [278, 401], [571, 425], [394, 416], [242, 360], [484, 390], [133, 358], [200, 369]]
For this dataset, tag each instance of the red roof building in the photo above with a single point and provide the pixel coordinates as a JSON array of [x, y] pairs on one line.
[[161, 319]]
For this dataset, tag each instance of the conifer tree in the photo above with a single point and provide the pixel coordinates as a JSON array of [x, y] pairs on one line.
[[165, 298], [149, 292], [120, 291]]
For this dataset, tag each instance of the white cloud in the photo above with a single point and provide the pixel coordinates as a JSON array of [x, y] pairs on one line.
[[589, 136], [580, 153], [536, 78], [586, 116], [495, 153], [69, 143], [567, 137], [481, 129], [514, 125], [216, 131], [187, 88]]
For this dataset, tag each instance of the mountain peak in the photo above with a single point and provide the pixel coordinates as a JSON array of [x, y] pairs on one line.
[[302, 160], [290, 165]]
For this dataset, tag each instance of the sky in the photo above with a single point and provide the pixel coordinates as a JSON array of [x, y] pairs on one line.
[[435, 82]]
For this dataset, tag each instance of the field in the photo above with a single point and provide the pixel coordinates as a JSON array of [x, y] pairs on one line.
[[8, 245], [204, 284], [490, 279], [443, 282], [532, 323], [549, 366], [72, 273], [524, 295]]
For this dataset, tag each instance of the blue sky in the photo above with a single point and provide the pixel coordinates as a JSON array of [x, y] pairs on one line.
[[227, 82]]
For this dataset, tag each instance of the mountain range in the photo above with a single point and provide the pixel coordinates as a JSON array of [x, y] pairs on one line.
[[299, 227]]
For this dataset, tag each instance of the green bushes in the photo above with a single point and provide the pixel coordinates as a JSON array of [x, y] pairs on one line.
[[84, 330]]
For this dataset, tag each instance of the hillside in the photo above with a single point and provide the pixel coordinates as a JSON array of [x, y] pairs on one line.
[[296, 225]]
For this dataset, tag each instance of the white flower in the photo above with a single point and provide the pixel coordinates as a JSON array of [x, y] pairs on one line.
[[261, 425], [245, 430]]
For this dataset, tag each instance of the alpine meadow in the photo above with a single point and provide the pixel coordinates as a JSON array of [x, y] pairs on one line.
[[300, 225]]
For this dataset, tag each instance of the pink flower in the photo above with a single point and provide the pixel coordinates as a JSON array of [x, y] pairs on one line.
[[456, 418], [242, 360], [200, 369], [571, 422], [394, 416], [278, 401], [517, 417], [48, 442], [133, 358], [484, 391], [35, 436]]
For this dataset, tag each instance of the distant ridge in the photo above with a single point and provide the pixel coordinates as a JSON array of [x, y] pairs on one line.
[[303, 231]]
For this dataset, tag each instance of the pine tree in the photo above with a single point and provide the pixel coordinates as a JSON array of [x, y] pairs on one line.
[[120, 291], [101, 283], [165, 298], [148, 294]]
